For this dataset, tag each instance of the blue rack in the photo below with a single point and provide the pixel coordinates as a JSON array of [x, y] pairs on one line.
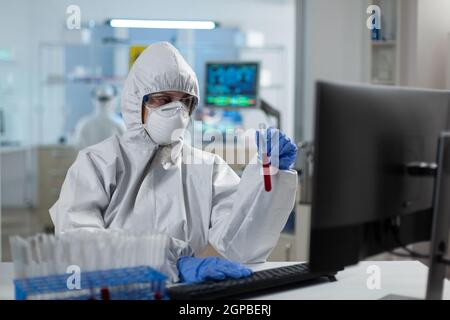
[[136, 283]]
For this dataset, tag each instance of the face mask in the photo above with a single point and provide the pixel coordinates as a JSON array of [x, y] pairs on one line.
[[166, 124]]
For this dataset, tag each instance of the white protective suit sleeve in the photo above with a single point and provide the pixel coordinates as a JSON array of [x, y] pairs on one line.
[[84, 196], [246, 221]]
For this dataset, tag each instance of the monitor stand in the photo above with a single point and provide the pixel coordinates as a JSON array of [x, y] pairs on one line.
[[441, 220], [441, 217]]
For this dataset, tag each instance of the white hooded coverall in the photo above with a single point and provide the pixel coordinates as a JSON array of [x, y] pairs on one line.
[[96, 127], [129, 182]]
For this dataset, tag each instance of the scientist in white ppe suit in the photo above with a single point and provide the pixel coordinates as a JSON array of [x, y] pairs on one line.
[[102, 122], [139, 181]]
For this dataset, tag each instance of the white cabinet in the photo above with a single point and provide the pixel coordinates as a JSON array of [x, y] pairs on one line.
[[294, 246], [285, 249], [17, 187], [53, 163]]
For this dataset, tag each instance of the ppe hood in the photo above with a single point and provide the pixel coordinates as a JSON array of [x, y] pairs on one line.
[[160, 67]]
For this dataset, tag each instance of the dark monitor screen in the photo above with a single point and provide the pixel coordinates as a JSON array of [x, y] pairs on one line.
[[232, 84], [364, 137]]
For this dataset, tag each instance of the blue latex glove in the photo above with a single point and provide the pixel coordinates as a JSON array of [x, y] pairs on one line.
[[283, 147], [193, 269]]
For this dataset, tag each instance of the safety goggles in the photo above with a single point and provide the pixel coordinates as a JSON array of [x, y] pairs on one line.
[[104, 98], [157, 100]]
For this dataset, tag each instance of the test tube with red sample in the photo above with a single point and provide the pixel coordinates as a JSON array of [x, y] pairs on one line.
[[265, 157]]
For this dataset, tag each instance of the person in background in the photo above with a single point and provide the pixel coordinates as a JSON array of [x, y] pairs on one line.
[[103, 122], [140, 181]]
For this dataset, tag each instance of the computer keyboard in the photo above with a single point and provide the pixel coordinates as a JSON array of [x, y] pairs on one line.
[[258, 281]]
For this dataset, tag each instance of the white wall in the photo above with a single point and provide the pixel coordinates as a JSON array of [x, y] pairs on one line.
[[24, 24], [336, 41], [408, 42], [334, 50], [425, 29], [15, 84], [433, 28]]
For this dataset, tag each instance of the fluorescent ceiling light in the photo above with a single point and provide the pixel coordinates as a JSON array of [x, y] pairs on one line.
[[161, 24]]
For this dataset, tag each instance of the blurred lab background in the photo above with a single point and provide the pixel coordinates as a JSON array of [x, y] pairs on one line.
[[58, 81]]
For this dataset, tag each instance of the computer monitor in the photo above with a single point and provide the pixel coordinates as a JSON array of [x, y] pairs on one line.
[[232, 84], [365, 200]]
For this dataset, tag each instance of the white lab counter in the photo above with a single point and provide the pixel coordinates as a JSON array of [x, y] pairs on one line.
[[406, 278]]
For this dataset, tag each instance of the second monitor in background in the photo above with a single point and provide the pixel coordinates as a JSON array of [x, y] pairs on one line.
[[232, 84], [235, 85]]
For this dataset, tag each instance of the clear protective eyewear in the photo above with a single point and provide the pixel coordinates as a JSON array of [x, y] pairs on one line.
[[157, 100], [170, 109]]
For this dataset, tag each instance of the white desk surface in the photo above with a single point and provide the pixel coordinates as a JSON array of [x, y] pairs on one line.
[[406, 278]]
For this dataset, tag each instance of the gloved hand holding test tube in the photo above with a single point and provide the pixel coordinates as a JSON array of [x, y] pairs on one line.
[[275, 149]]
